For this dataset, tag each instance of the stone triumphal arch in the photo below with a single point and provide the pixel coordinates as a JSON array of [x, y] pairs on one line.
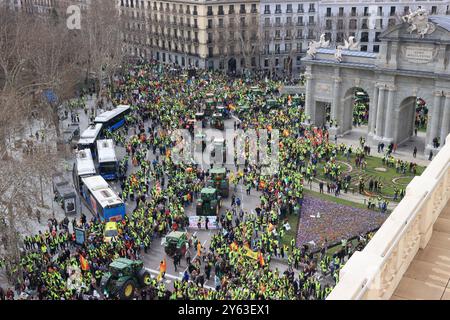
[[412, 62]]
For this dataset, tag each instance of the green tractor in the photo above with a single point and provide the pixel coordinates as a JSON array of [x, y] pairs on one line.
[[209, 202], [210, 106], [297, 101], [271, 104], [123, 277], [176, 243], [218, 179], [242, 109], [217, 121], [224, 112], [256, 91]]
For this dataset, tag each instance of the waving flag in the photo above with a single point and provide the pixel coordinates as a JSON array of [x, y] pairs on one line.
[[84, 263]]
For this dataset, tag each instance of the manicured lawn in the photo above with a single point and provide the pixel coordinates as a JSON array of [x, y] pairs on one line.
[[386, 177]]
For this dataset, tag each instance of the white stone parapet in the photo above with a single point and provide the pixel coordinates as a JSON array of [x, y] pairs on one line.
[[375, 272]]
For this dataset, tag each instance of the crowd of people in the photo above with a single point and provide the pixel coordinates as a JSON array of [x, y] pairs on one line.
[[158, 189]]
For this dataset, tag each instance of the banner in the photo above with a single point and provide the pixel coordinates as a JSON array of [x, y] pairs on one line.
[[80, 235], [250, 253], [212, 224]]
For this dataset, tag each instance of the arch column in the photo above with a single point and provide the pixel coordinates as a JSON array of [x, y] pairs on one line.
[[309, 97], [445, 119], [391, 125], [373, 111], [434, 125], [335, 106], [380, 112]]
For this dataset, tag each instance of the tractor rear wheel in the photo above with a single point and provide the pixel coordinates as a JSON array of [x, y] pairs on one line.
[[144, 277], [126, 292]]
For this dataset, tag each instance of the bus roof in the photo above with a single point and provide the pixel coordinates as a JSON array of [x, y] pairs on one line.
[[101, 191], [108, 115], [85, 164], [90, 134], [106, 152]]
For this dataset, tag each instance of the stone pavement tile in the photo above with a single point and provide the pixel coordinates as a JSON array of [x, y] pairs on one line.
[[440, 240], [418, 290], [442, 225], [446, 295], [428, 273], [434, 255]]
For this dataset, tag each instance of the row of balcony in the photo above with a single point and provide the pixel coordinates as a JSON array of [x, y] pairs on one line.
[[166, 10], [289, 12], [222, 13], [289, 24]]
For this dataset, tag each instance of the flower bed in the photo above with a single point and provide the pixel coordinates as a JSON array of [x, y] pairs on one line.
[[336, 221]]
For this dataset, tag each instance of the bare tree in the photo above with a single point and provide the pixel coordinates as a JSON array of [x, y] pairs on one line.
[[103, 42], [37, 54]]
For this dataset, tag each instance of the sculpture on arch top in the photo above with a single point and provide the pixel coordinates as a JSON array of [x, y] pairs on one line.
[[338, 54], [322, 42], [350, 44], [418, 21], [312, 49], [314, 45]]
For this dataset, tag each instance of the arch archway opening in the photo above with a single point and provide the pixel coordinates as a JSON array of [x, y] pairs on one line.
[[421, 116], [356, 111], [412, 130]]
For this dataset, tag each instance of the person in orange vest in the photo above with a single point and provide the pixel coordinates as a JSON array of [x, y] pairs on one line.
[[162, 268], [261, 259], [199, 249]]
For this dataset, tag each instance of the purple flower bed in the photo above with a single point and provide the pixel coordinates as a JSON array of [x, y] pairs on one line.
[[336, 221]]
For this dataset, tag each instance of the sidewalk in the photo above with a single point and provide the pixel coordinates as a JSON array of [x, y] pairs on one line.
[[404, 151]]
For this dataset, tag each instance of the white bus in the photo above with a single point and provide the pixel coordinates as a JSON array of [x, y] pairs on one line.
[[84, 166], [89, 138], [107, 160], [102, 200], [114, 119]]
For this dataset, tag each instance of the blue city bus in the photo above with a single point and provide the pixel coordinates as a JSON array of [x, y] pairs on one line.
[[89, 137], [103, 202], [114, 119], [108, 166], [84, 167]]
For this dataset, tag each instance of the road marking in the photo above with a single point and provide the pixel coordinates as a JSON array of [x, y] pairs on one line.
[[167, 275], [195, 255], [234, 117]]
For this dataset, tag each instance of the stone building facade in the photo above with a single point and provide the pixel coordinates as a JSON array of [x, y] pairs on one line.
[[205, 34], [407, 66], [288, 26]]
